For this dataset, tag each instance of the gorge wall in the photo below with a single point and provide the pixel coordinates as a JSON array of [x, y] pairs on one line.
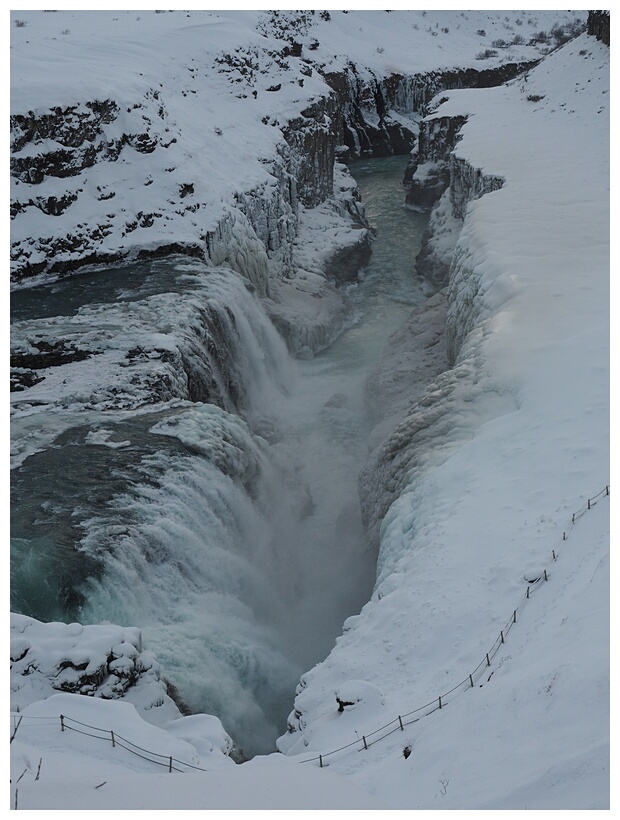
[[70, 164]]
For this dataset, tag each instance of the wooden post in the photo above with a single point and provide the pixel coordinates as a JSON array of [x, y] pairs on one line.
[[527, 594], [554, 556], [62, 723], [170, 764], [321, 761], [514, 617], [501, 634], [607, 490], [471, 680], [400, 720], [546, 577], [112, 735], [563, 536], [488, 661], [440, 701], [365, 744], [588, 503]]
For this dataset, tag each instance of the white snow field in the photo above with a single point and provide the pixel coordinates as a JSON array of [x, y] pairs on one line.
[[491, 606]]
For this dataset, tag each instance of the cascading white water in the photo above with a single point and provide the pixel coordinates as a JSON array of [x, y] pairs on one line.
[[230, 535]]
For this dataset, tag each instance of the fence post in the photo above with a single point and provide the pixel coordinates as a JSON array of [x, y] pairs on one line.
[[113, 741], [554, 556], [365, 744], [527, 594], [471, 680], [488, 661], [440, 701], [170, 764], [501, 634], [514, 617], [607, 490], [563, 536], [62, 723], [588, 503], [320, 761], [546, 577], [400, 720], [573, 518]]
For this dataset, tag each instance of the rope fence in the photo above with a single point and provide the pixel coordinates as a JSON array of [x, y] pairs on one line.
[[406, 719], [398, 724], [70, 724]]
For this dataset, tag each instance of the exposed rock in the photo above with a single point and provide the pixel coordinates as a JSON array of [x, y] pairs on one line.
[[599, 25], [376, 114], [429, 170], [447, 183], [49, 355], [345, 263]]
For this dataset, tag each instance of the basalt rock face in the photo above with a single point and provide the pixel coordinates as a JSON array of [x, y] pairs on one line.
[[429, 172], [599, 25], [313, 138], [376, 112], [368, 113], [446, 183]]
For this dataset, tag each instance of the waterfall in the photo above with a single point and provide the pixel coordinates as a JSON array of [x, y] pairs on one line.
[[176, 470]]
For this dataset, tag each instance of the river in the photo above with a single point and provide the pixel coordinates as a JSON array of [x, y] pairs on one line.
[[230, 535]]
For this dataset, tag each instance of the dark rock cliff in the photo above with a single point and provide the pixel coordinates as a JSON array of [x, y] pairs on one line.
[[372, 109], [599, 25]]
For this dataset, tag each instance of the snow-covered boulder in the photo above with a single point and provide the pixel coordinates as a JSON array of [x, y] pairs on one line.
[[357, 693], [102, 661]]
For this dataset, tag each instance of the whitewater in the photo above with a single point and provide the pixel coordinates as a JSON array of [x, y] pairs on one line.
[[224, 518]]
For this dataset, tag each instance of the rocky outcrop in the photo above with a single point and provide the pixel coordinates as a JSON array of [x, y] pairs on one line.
[[368, 114], [468, 183], [376, 112], [443, 181], [312, 139], [428, 173]]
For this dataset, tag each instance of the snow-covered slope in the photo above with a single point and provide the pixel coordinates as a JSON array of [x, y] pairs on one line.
[[471, 495]]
